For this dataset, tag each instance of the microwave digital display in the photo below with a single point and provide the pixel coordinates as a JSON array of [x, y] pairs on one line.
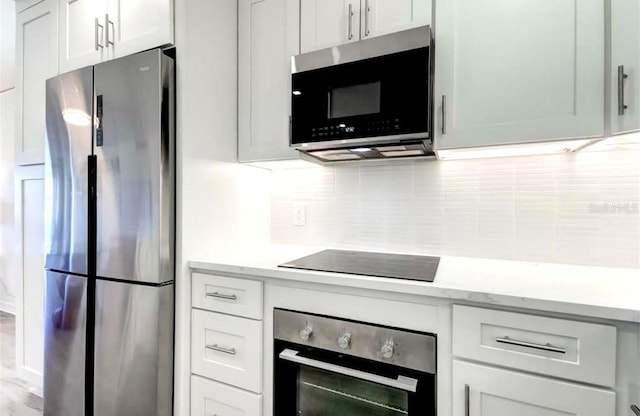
[[355, 100]]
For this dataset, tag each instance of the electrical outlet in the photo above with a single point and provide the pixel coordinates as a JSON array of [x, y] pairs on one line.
[[299, 214]]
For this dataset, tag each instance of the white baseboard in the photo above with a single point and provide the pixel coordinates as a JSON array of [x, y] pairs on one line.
[[8, 306]]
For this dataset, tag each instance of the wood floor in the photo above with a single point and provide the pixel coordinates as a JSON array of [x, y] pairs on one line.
[[17, 398]]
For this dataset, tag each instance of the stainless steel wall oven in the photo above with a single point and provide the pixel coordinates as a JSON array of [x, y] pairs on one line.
[[327, 366]]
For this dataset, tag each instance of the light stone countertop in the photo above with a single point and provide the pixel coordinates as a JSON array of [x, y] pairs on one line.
[[598, 292]]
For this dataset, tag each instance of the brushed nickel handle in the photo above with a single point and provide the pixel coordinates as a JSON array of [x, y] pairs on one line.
[[221, 295], [621, 77], [367, 9], [635, 409], [108, 22], [444, 114], [216, 347], [544, 347], [467, 393], [350, 21], [98, 26]]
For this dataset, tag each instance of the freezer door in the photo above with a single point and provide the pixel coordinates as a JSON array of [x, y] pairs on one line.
[[133, 349], [69, 106], [64, 339], [135, 185]]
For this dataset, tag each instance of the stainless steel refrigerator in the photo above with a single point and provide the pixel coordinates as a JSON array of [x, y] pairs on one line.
[[109, 195]]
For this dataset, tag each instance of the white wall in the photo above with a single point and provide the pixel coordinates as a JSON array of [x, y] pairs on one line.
[[8, 282], [221, 204], [539, 208]]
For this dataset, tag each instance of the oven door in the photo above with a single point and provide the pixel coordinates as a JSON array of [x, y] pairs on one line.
[[381, 97], [312, 382]]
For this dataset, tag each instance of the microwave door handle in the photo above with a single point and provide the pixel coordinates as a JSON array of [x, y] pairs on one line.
[[401, 383]]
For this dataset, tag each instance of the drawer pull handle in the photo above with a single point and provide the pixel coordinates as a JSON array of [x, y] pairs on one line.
[[635, 409], [221, 296], [216, 347], [545, 347]]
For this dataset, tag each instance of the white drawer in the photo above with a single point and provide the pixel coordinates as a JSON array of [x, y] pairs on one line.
[[227, 349], [211, 398], [558, 347], [239, 297]]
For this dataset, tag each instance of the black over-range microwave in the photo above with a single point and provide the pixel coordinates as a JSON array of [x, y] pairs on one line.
[[370, 99]]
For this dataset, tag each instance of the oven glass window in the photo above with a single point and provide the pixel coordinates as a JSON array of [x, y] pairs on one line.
[[322, 393], [355, 100]]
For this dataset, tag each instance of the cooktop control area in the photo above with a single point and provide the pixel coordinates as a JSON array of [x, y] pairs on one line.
[[396, 266]]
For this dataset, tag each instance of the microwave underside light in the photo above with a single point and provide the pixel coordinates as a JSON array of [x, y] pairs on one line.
[[394, 151]]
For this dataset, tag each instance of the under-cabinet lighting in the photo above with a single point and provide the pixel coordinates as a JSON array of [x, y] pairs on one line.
[[528, 149], [361, 150], [625, 141], [284, 164]]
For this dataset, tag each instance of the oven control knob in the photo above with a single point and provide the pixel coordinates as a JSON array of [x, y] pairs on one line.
[[306, 333], [344, 341], [387, 349]]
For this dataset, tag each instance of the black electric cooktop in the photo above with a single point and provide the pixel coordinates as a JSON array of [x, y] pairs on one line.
[[396, 266]]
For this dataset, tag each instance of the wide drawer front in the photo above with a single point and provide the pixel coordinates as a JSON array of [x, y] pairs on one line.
[[567, 349], [211, 398], [227, 349], [480, 390], [239, 297]]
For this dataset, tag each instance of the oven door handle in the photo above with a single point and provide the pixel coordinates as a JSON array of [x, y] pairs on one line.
[[402, 382]]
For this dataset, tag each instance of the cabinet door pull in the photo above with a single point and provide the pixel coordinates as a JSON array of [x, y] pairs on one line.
[[98, 26], [444, 114], [621, 77], [216, 347], [221, 296], [635, 409], [544, 347], [108, 22], [467, 392], [367, 9], [350, 34]]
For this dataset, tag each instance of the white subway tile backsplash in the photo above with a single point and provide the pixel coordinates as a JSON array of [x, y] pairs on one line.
[[576, 208]]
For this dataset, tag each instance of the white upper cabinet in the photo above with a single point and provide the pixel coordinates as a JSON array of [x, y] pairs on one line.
[[92, 31], [7, 44], [625, 66], [81, 33], [518, 71], [327, 23], [37, 60], [268, 36], [379, 17], [139, 25]]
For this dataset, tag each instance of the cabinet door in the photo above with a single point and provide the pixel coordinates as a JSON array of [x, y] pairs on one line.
[[488, 391], [29, 223], [625, 60], [135, 26], [518, 71], [37, 60], [7, 44], [380, 17], [327, 23], [81, 33], [268, 37]]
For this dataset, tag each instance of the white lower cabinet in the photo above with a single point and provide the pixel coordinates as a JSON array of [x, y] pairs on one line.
[[227, 348], [30, 232], [209, 398], [480, 390]]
